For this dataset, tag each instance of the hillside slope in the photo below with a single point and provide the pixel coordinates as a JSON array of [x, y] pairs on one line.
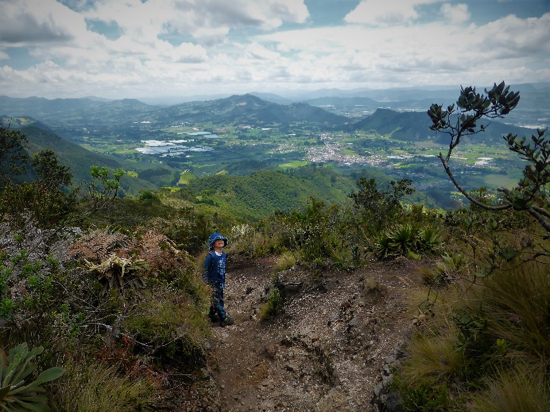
[[73, 111], [79, 159], [265, 192], [245, 109], [415, 126]]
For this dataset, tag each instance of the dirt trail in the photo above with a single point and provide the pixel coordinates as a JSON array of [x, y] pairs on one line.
[[326, 350]]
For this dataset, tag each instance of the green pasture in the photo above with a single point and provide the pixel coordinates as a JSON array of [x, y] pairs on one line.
[[294, 164], [186, 177], [498, 180]]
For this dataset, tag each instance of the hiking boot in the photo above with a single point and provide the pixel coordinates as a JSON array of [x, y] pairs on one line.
[[227, 321], [214, 318]]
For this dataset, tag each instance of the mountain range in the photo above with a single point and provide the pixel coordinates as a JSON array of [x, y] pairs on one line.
[[534, 107], [242, 109]]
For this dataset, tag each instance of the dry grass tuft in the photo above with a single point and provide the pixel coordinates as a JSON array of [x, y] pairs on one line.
[[285, 261], [519, 390], [98, 388], [434, 359]]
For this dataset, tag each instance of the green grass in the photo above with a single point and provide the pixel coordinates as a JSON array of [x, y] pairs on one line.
[[186, 177], [294, 164], [498, 180]]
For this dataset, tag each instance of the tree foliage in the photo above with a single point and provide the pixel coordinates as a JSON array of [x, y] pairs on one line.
[[47, 197], [13, 154], [465, 119], [381, 205]]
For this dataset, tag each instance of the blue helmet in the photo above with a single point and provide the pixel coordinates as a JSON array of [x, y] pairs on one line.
[[217, 236]]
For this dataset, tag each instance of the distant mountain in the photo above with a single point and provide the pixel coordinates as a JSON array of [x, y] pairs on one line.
[[273, 98], [247, 109], [415, 126], [97, 99], [303, 95], [175, 100], [283, 107], [72, 110], [409, 126], [41, 108], [344, 102], [413, 94], [108, 113]]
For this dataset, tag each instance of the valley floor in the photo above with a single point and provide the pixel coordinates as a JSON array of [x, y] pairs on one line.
[[326, 351]]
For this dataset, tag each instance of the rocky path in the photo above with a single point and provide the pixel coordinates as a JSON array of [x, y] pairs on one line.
[[325, 351]]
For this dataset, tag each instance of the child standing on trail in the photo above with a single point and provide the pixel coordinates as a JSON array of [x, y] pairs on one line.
[[214, 274]]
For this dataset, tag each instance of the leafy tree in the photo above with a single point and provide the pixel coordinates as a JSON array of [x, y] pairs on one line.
[[49, 198], [46, 199], [50, 173], [381, 206], [13, 154], [464, 119]]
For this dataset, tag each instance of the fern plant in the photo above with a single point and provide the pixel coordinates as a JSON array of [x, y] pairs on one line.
[[17, 393]]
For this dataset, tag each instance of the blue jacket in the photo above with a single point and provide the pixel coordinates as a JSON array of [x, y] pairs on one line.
[[214, 269]]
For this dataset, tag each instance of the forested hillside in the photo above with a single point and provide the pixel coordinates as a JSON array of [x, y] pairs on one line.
[[414, 126], [80, 160]]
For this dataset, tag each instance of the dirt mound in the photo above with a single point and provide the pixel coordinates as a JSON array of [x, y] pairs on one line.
[[325, 352]]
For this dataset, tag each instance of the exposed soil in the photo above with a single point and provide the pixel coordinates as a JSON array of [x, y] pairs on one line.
[[327, 348]]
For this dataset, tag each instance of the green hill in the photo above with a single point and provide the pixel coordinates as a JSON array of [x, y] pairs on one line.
[[247, 109], [415, 126], [79, 159], [264, 192], [107, 113]]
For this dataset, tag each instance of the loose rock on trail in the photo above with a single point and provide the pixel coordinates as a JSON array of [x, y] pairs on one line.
[[325, 351]]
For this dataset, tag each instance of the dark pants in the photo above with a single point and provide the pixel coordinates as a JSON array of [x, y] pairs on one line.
[[217, 305]]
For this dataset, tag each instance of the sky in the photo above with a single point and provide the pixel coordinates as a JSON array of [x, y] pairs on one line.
[[152, 48]]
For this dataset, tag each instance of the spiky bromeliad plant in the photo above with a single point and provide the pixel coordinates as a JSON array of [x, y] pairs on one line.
[[17, 393]]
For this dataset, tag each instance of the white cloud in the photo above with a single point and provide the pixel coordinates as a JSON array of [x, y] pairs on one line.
[[30, 22], [207, 52], [456, 14], [257, 51], [208, 21], [386, 13], [434, 53], [515, 37], [188, 53]]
